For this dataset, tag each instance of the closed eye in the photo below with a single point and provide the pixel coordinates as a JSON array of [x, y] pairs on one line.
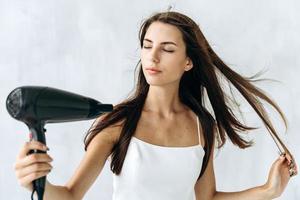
[[170, 51]]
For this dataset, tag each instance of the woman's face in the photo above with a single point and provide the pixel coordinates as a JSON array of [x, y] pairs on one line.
[[164, 49]]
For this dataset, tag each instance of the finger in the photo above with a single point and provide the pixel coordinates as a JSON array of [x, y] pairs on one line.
[[286, 170], [33, 158], [292, 172], [31, 146], [25, 181], [289, 158], [33, 168], [286, 163], [281, 162], [295, 169], [281, 159], [293, 164], [278, 163]]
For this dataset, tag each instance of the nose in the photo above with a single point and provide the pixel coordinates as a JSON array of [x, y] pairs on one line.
[[154, 55]]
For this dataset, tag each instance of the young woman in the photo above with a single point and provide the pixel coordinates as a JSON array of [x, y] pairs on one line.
[[160, 141]]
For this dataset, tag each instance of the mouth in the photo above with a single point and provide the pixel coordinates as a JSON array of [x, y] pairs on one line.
[[152, 72], [152, 69]]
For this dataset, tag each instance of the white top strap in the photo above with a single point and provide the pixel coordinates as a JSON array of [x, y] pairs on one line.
[[198, 130]]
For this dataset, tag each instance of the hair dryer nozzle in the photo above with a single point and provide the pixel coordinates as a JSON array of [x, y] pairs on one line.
[[32, 104]]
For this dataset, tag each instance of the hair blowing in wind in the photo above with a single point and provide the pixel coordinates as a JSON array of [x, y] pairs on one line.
[[201, 80]]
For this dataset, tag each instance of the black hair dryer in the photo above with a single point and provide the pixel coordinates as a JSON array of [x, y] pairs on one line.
[[38, 105]]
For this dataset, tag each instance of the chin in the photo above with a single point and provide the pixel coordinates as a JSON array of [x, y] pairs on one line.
[[155, 83]]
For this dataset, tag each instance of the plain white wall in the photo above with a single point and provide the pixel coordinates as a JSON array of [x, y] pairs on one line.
[[91, 48]]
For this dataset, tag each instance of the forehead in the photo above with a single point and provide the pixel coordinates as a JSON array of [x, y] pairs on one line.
[[160, 32]]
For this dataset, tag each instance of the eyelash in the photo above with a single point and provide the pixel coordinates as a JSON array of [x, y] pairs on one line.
[[163, 49]]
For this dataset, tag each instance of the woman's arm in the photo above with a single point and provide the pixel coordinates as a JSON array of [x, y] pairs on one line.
[[277, 181], [89, 168], [93, 161], [256, 193], [205, 187]]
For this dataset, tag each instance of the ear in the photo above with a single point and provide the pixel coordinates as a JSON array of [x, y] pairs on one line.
[[189, 64]]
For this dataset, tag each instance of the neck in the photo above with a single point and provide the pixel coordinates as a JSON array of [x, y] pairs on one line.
[[164, 101]]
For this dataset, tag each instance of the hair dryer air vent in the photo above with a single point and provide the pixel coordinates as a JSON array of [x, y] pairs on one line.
[[14, 103]]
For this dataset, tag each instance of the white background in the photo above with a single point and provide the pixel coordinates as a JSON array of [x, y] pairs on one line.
[[91, 48]]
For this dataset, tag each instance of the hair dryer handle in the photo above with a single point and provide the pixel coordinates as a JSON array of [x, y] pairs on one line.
[[37, 132]]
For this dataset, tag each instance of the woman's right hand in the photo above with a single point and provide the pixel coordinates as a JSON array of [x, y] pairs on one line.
[[32, 166]]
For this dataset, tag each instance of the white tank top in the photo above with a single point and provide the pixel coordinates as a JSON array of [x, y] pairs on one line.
[[153, 172]]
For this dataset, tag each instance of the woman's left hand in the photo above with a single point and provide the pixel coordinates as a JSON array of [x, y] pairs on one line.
[[279, 175]]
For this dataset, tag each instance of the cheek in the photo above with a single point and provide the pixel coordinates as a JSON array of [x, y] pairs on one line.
[[173, 70], [176, 63], [143, 58]]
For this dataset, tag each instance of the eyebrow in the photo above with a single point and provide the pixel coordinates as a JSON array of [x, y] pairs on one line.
[[166, 42]]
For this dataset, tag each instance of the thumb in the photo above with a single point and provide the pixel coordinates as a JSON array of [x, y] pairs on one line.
[[279, 161]]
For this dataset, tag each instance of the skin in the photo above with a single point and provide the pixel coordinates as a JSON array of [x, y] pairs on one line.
[[163, 106], [162, 97]]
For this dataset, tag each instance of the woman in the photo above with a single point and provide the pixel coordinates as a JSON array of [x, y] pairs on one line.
[[160, 141]]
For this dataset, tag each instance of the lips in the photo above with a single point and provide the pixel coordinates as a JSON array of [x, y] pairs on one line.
[[153, 69]]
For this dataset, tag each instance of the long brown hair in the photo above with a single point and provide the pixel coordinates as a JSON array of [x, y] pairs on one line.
[[203, 77]]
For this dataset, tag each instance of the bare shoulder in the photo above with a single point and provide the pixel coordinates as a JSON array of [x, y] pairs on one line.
[[109, 134]]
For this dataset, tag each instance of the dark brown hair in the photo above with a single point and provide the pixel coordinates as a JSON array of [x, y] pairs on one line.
[[203, 77]]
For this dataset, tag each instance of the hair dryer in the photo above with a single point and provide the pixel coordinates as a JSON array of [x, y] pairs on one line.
[[38, 105]]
